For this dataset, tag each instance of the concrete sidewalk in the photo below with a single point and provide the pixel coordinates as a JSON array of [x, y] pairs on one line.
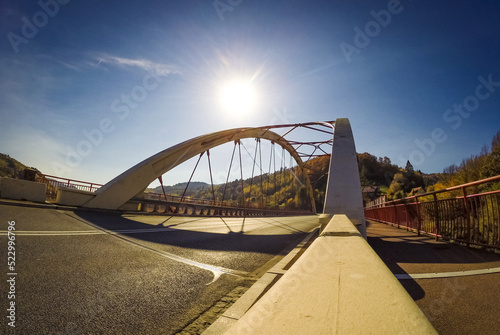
[[456, 304]]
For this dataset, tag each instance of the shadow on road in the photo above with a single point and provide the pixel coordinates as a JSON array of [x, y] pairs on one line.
[[398, 246], [231, 240]]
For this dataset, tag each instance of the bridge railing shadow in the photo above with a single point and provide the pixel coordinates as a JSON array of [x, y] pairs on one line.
[[167, 230], [398, 246]]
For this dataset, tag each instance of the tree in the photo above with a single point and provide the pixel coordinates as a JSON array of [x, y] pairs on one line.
[[373, 171], [496, 141], [396, 190], [409, 167], [491, 165]]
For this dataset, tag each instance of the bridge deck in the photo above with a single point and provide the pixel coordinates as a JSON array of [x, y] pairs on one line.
[[454, 305]]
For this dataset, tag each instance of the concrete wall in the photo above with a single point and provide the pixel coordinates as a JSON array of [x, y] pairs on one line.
[[18, 189], [338, 286]]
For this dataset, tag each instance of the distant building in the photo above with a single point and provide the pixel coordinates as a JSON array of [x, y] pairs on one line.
[[371, 193]]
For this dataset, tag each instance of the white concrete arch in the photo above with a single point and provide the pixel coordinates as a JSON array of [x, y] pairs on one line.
[[135, 180]]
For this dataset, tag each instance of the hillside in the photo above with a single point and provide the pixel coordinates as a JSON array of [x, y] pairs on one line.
[[279, 189], [285, 189], [178, 189], [9, 167]]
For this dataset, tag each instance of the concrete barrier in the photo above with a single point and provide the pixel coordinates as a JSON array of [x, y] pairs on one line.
[[18, 189], [338, 286], [73, 197]]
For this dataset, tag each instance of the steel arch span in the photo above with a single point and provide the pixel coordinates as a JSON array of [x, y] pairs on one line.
[[135, 180]]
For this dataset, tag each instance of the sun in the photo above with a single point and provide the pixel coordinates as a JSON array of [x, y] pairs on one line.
[[238, 97]]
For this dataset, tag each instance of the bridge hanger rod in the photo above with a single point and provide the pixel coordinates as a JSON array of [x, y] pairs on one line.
[[253, 170], [241, 172], [261, 173], [211, 178], [192, 174], [228, 173], [308, 159]]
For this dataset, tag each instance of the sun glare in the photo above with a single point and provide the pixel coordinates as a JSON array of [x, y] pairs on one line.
[[238, 97]]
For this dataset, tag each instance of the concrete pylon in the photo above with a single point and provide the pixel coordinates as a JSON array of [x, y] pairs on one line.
[[343, 191]]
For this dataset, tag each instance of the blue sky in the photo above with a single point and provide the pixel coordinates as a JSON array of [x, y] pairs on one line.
[[419, 79]]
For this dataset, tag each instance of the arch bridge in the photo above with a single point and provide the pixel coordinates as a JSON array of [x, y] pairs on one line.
[[343, 191]]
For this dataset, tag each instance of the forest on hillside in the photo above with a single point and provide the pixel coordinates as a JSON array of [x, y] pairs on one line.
[[484, 165], [282, 189]]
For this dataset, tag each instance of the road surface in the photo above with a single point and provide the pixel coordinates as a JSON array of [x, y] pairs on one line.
[[80, 272]]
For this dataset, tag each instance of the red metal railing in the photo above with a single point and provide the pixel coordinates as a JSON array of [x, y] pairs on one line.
[[217, 203], [54, 182], [471, 219], [176, 198]]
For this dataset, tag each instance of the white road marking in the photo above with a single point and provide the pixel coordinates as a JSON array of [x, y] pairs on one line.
[[447, 274], [217, 271]]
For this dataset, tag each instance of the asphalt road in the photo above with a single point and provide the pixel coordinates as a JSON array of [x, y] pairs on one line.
[[103, 273]]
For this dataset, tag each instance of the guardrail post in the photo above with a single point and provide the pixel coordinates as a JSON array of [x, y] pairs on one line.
[[419, 218], [467, 217], [396, 220], [498, 223], [407, 216], [437, 215]]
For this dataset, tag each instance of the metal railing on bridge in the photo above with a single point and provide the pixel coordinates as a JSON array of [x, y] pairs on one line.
[[192, 207], [169, 204], [182, 205], [54, 182], [473, 219], [187, 199]]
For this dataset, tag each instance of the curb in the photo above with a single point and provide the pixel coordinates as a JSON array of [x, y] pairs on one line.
[[259, 288]]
